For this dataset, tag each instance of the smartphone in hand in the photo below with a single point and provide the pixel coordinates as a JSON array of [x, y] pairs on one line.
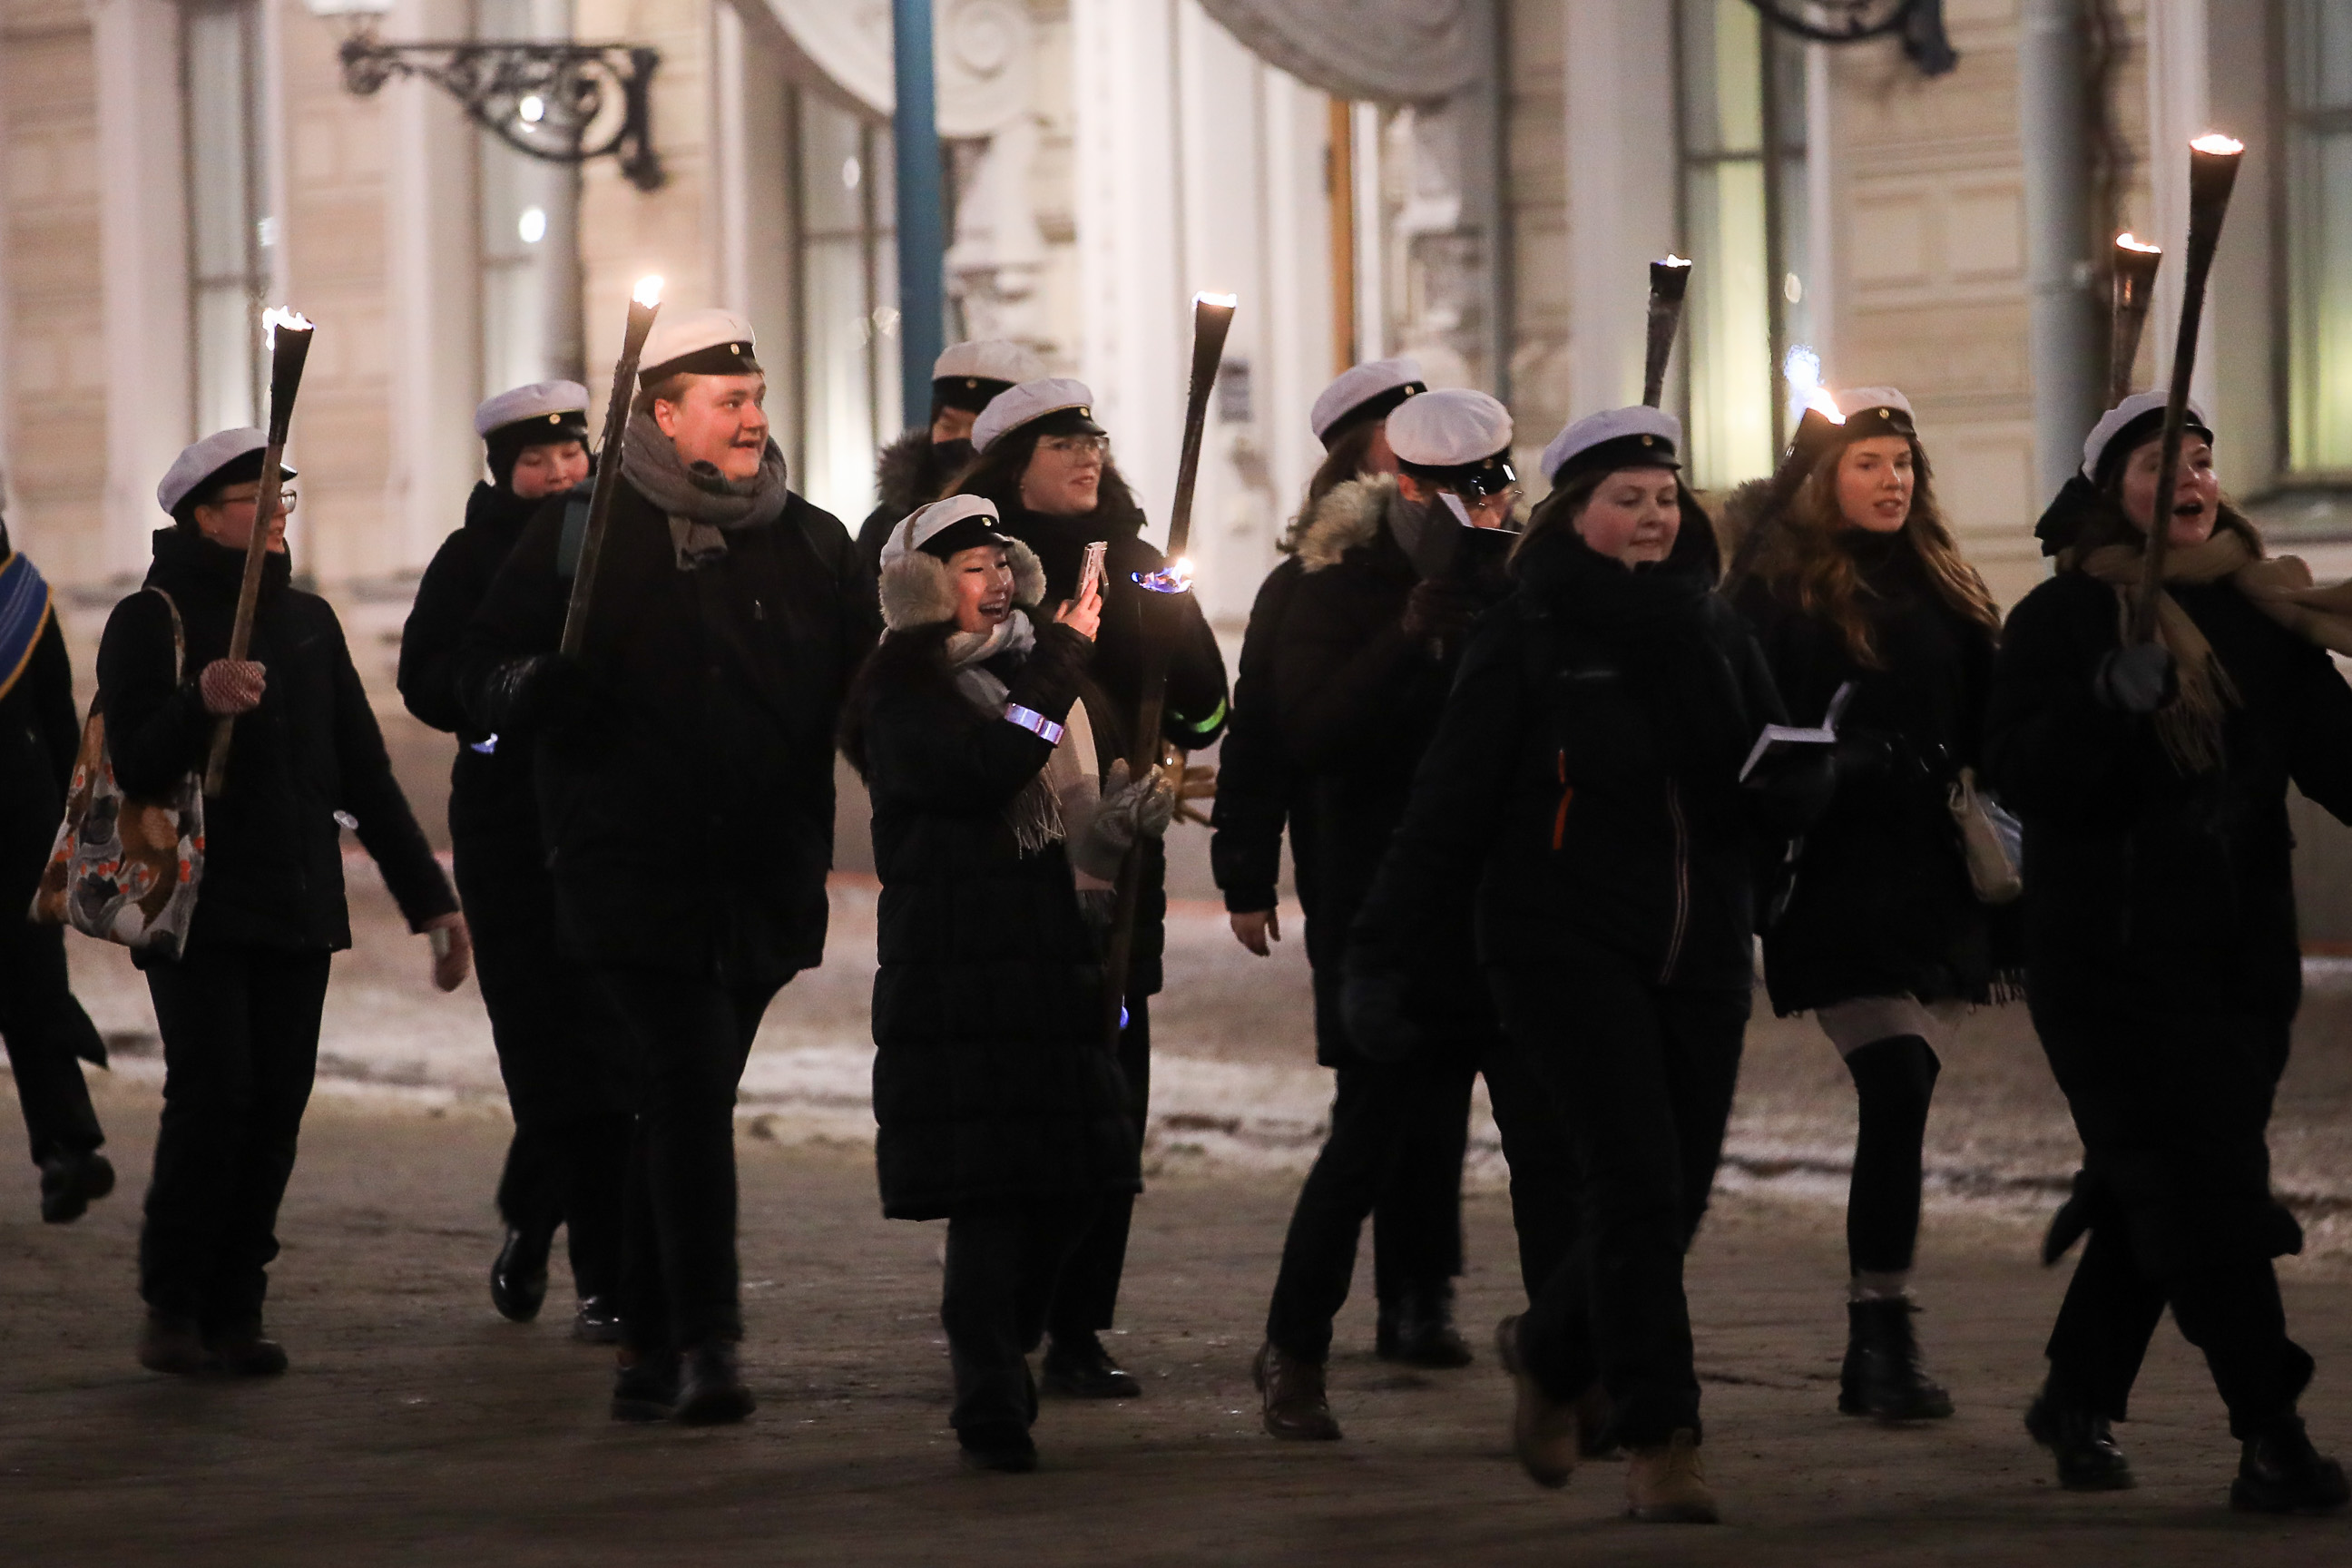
[[1090, 569]]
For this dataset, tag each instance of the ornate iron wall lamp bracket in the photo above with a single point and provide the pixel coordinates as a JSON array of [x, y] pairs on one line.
[[542, 99], [1919, 24]]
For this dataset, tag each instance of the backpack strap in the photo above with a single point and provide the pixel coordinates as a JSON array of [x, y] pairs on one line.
[[179, 638]]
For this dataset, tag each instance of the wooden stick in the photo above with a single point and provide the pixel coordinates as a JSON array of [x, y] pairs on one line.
[[1212, 316], [2213, 170], [290, 350], [643, 307]]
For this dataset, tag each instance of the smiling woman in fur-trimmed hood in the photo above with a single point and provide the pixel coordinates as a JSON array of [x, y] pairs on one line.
[[999, 1104]]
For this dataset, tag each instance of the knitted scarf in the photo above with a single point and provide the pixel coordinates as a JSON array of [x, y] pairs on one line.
[[703, 505], [1064, 788], [2281, 587]]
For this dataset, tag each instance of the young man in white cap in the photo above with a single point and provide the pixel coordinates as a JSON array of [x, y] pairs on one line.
[[685, 764], [238, 1005], [1364, 658], [919, 466], [1046, 464], [42, 1025], [556, 1040]]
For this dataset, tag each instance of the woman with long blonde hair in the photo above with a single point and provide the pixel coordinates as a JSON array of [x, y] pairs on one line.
[[1854, 584]]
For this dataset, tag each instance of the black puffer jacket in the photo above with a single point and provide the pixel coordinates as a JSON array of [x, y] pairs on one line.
[[273, 853], [689, 821], [489, 787], [1359, 698], [2162, 963], [1256, 786], [1585, 773], [993, 1084], [1196, 707], [1880, 903], [911, 471], [38, 737]]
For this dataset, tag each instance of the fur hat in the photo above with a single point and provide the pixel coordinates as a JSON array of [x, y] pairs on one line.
[[917, 592]]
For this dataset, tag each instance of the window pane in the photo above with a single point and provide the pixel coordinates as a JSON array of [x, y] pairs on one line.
[[1723, 78], [1730, 324], [2319, 243], [223, 250], [836, 395]]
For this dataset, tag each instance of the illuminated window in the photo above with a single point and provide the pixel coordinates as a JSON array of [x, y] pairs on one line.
[[849, 403], [2318, 170], [528, 223], [229, 228], [1741, 102]]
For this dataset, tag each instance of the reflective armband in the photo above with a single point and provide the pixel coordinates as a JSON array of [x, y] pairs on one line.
[[1036, 723]]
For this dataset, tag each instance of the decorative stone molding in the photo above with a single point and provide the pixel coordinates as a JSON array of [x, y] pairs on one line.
[[1387, 51], [982, 52]]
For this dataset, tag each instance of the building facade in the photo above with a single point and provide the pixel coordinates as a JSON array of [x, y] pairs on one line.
[[173, 166]]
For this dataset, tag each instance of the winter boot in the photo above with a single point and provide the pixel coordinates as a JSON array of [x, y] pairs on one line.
[[1543, 1430], [1418, 1330], [1664, 1484], [710, 1391], [2080, 1441], [1295, 1404], [2281, 1472], [1883, 1377], [69, 1183]]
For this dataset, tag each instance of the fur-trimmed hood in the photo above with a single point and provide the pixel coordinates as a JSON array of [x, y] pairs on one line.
[[1347, 518], [914, 470], [915, 591]]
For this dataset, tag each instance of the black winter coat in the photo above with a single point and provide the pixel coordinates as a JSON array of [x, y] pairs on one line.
[[911, 471], [993, 1087], [39, 736], [1880, 902], [273, 853], [689, 821], [1256, 786], [1196, 707], [1359, 698], [2162, 961], [489, 787], [1584, 772]]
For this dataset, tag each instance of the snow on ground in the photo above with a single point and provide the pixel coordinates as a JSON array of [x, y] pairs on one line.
[[1233, 1080]]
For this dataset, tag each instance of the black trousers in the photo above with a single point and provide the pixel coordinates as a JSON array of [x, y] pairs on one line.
[[45, 1030], [560, 1051], [1088, 1295], [1384, 1119], [1644, 1075], [1001, 1267], [240, 1029], [2172, 1106], [689, 1036], [1417, 1216]]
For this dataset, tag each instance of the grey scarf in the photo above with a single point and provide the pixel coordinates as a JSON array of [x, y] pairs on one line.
[[1065, 789], [702, 505]]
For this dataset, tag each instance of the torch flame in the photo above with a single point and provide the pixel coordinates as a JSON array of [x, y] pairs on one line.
[[1674, 260], [1222, 301], [1820, 401], [2213, 141], [279, 316], [649, 290], [2125, 241]]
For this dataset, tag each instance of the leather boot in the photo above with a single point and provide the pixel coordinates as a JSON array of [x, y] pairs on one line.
[[2081, 1442], [2281, 1472], [171, 1344], [519, 1274], [1417, 1329], [1664, 1483], [1883, 1377], [597, 1322], [710, 1391], [1077, 1367], [243, 1352], [69, 1183], [1543, 1430], [1295, 1404], [645, 1385]]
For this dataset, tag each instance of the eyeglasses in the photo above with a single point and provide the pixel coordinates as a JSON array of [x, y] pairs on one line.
[[287, 498], [1078, 446]]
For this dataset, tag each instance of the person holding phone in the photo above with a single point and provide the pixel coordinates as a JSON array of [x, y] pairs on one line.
[[999, 1103]]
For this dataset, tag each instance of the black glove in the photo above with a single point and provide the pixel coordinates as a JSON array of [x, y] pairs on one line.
[[1439, 608], [1371, 1006], [550, 691], [1788, 793], [2139, 678], [1863, 758]]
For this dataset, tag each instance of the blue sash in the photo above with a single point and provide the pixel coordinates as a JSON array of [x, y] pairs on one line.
[[24, 614]]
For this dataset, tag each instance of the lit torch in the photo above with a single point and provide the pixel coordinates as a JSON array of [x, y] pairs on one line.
[[2134, 266], [288, 335], [1669, 281], [644, 305], [2213, 161]]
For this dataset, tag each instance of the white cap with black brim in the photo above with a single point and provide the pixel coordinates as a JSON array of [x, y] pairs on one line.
[[2135, 421], [202, 463], [708, 342], [1369, 391], [1033, 401], [945, 527], [1634, 437], [1455, 439]]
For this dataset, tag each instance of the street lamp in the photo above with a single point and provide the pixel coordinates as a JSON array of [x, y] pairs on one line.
[[548, 98]]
